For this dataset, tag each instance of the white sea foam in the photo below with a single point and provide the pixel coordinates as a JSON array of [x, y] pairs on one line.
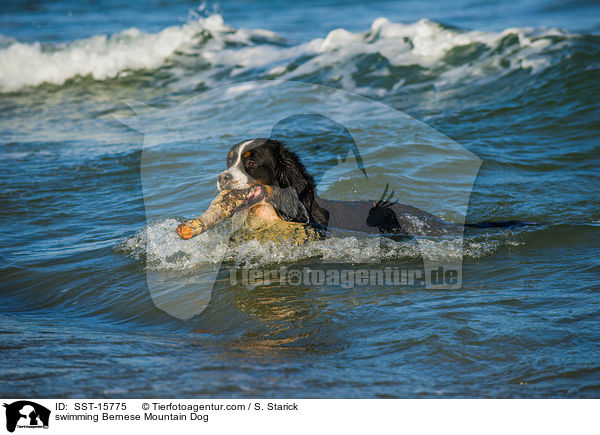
[[102, 56], [162, 249], [426, 44], [234, 52]]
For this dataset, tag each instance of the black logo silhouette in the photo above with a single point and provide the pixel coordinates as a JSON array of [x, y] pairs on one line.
[[27, 414]]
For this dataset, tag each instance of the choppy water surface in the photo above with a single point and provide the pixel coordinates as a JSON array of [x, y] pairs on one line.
[[519, 92]]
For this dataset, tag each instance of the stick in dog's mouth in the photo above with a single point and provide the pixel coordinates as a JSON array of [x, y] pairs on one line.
[[256, 194], [222, 207]]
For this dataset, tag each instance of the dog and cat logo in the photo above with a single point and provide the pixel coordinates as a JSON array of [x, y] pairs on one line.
[[26, 414]]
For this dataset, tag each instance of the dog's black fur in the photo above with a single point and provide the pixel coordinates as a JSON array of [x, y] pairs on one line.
[[295, 193]]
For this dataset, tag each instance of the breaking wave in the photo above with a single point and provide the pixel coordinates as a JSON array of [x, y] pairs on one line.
[[206, 51]]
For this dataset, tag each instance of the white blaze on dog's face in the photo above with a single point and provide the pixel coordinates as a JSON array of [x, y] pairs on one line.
[[235, 176], [248, 163]]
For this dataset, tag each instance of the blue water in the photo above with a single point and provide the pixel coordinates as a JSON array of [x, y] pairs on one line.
[[514, 84]]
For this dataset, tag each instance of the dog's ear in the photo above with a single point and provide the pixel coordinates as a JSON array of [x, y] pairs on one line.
[[292, 184], [288, 205], [297, 193], [289, 172]]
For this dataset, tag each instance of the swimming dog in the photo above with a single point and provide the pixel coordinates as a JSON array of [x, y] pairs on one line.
[[291, 195]]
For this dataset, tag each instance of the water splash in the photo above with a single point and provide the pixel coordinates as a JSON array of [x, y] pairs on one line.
[[162, 250]]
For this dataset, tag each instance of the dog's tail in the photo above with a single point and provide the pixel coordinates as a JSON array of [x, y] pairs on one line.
[[502, 224]]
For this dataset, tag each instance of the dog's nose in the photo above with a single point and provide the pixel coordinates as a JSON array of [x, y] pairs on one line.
[[224, 178]]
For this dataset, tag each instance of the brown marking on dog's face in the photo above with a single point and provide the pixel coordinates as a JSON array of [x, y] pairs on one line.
[[247, 154]]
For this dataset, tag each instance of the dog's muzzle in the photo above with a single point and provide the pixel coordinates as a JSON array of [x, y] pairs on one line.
[[233, 179], [223, 180]]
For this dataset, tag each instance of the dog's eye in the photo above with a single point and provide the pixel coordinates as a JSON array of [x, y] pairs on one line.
[[251, 164]]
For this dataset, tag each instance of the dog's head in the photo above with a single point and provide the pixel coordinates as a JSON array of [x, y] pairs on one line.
[[267, 162], [249, 163]]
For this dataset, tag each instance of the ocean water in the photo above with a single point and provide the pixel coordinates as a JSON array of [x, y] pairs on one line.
[[89, 202]]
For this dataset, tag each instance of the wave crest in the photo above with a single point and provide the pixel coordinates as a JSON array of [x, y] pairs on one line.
[[103, 57], [206, 50]]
